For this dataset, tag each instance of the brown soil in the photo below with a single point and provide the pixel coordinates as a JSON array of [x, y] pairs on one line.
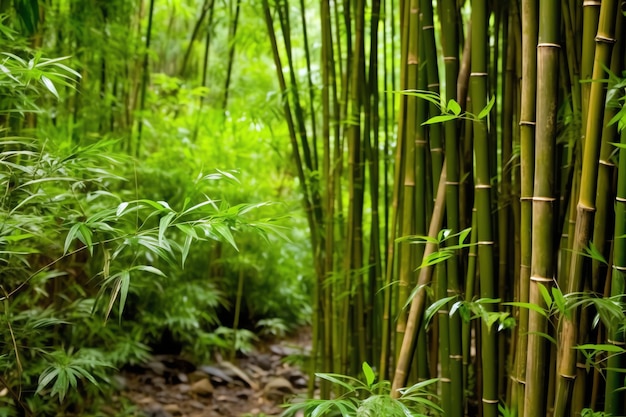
[[256, 384]]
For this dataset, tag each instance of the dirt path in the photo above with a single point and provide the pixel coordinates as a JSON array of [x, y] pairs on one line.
[[252, 385]]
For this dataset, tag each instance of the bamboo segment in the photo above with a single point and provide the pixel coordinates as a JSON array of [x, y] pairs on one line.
[[406, 253], [586, 201], [419, 300], [478, 93], [449, 38], [529, 18], [614, 403], [544, 239]]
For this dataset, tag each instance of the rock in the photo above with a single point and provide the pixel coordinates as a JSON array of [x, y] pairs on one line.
[[285, 350], [278, 384], [196, 404], [216, 372], [300, 383], [182, 377], [202, 387], [157, 367], [234, 370], [173, 409], [264, 361], [277, 388], [157, 411], [196, 376]]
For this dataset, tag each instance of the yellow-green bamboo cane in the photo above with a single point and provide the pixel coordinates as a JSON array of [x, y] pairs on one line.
[[478, 93], [529, 20], [586, 201], [543, 239], [419, 300]]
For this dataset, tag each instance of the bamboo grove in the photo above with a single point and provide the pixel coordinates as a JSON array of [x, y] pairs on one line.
[[462, 166]]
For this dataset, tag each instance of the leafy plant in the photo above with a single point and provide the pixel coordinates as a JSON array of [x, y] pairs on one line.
[[369, 398]]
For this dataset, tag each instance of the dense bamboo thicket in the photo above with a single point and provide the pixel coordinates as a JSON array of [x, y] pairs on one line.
[[462, 173], [461, 166]]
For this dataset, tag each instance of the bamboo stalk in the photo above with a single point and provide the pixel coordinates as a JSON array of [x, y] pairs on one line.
[[529, 18], [450, 49], [586, 201], [419, 300]]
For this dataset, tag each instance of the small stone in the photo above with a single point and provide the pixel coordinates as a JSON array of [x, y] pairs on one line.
[[202, 387], [196, 404], [173, 409]]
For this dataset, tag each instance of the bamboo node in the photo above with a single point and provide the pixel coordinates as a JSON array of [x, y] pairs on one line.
[[620, 199], [452, 183], [525, 199], [579, 365], [585, 207], [606, 163], [619, 268], [604, 39], [548, 45], [428, 27], [442, 379], [433, 85], [490, 401], [456, 357], [537, 278], [527, 123], [483, 186], [546, 199], [450, 59], [479, 74], [485, 242], [433, 150], [570, 377], [616, 342], [591, 3]]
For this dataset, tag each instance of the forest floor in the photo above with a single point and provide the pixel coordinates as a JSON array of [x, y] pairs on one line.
[[251, 385]]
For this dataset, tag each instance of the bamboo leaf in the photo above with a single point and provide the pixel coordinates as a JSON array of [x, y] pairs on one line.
[[224, 231], [529, 306], [164, 223], [545, 336], [121, 208], [71, 235], [440, 119], [454, 107], [559, 300], [124, 286], [464, 234], [546, 295], [435, 307], [485, 111], [85, 236], [150, 269], [369, 374], [601, 347], [50, 86], [593, 252]]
